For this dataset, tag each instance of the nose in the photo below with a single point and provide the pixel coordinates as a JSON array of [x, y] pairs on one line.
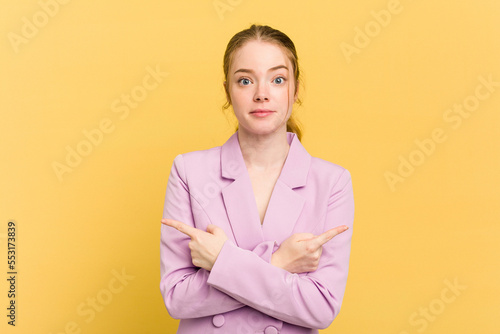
[[261, 92]]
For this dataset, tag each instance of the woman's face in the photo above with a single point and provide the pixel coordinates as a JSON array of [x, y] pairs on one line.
[[261, 87]]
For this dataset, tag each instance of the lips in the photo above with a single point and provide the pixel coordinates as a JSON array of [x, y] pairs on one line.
[[261, 111]]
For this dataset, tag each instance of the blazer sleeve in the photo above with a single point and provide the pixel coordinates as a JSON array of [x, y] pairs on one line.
[[183, 286], [310, 300]]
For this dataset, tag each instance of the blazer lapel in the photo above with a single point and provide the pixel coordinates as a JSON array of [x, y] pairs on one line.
[[238, 197], [284, 206]]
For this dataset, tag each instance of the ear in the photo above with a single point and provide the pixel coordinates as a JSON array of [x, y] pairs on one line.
[[296, 96], [228, 97]]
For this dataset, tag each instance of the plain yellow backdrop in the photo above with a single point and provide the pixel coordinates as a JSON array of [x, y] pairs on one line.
[[98, 97]]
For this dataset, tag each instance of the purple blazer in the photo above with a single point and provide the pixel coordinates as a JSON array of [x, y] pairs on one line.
[[244, 293]]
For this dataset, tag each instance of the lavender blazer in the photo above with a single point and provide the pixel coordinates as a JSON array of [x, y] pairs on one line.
[[244, 293]]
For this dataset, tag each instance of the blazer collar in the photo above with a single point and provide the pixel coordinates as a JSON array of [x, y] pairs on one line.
[[285, 204], [294, 171]]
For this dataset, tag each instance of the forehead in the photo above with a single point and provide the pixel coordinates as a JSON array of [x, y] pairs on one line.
[[258, 55]]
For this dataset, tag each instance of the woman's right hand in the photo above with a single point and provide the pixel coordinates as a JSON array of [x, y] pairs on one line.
[[301, 252]]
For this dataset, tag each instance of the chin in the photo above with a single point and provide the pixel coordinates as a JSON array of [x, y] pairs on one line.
[[261, 130]]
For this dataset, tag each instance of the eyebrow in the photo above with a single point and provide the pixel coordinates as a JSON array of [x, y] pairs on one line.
[[271, 69]]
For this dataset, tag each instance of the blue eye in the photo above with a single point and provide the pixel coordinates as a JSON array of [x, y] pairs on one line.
[[244, 81], [280, 80]]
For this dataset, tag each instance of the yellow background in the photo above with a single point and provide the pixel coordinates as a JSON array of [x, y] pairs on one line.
[[364, 112]]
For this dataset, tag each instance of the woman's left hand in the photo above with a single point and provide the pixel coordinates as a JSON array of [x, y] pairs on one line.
[[205, 246]]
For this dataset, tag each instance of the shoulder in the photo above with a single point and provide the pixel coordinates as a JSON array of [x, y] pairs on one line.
[[329, 174], [195, 164], [199, 156], [324, 166]]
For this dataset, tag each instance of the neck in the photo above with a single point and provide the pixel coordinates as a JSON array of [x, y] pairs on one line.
[[264, 152]]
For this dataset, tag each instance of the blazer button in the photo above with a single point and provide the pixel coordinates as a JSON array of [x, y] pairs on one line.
[[218, 320], [271, 330]]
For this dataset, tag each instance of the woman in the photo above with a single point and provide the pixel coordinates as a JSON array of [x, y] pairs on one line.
[[246, 236]]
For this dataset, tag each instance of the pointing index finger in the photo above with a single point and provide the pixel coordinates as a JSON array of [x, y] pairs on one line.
[[181, 227], [328, 235]]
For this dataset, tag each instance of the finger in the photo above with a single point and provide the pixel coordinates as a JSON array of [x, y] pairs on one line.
[[216, 231], [213, 229], [304, 236], [328, 235], [181, 227]]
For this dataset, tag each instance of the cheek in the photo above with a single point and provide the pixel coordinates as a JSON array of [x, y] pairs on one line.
[[284, 94], [238, 101], [240, 97]]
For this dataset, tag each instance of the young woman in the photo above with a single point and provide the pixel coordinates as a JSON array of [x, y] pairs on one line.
[[246, 240]]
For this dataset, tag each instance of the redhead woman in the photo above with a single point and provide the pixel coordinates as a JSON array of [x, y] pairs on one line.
[[256, 233]]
